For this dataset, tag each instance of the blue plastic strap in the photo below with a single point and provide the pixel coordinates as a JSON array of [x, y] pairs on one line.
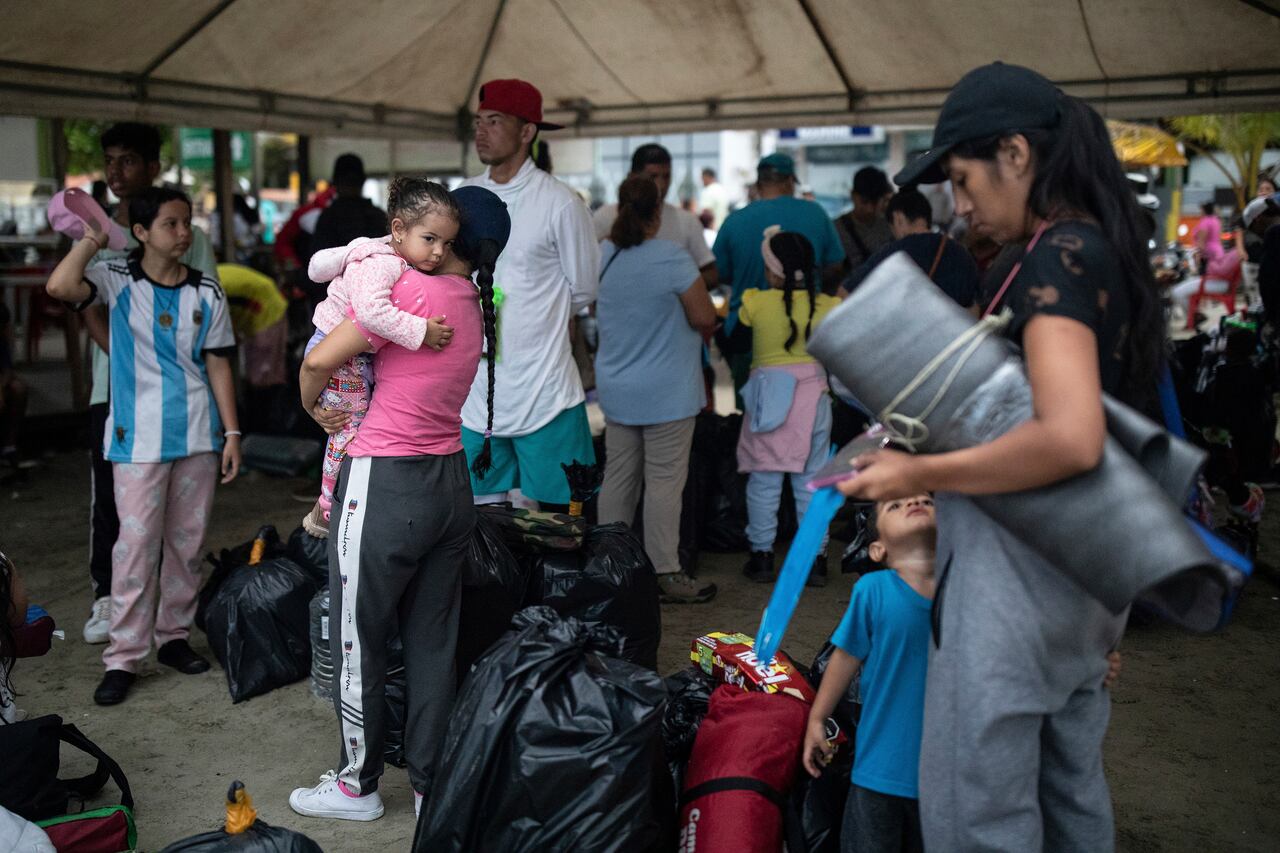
[[795, 571]]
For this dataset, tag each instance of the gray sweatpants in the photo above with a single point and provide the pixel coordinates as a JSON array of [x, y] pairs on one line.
[[1015, 711], [397, 542]]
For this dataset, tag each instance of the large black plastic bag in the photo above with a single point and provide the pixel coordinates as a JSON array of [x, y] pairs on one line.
[[262, 837], [258, 625], [610, 581], [720, 490], [553, 744], [688, 694], [493, 587], [230, 559], [311, 553], [235, 837], [815, 809]]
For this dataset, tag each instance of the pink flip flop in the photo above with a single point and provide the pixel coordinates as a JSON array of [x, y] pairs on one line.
[[71, 211]]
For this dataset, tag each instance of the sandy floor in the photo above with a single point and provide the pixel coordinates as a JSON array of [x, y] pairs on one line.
[[1192, 753]]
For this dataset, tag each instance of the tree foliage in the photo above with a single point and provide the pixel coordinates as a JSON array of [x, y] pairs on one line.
[[1242, 137]]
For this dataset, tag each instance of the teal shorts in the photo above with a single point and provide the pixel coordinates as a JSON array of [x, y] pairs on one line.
[[531, 462]]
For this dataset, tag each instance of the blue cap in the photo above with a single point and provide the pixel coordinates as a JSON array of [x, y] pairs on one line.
[[484, 217], [780, 163]]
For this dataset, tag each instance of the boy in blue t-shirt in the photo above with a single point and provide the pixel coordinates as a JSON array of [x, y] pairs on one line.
[[885, 634]]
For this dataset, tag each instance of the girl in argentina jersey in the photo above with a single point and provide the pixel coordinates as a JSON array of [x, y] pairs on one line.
[[172, 426]]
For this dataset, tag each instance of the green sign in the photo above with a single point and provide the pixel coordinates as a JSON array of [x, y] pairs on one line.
[[197, 148]]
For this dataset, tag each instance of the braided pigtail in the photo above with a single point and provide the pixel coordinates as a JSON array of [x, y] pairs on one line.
[[488, 257], [788, 287], [795, 253], [811, 288]]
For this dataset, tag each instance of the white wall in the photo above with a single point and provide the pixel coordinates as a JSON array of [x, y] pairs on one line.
[[20, 141], [1202, 173], [382, 157]]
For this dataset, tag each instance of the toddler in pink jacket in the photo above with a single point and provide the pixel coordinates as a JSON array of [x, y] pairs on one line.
[[424, 221]]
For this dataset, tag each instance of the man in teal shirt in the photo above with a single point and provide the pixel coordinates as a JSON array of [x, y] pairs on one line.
[[737, 246]]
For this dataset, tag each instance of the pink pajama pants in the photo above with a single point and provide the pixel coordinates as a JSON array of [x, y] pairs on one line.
[[163, 506], [348, 391]]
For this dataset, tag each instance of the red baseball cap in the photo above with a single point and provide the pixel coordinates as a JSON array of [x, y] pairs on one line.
[[515, 98]]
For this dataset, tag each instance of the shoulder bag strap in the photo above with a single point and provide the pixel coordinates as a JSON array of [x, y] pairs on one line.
[[937, 259], [734, 783], [1017, 268], [609, 263], [86, 786], [853, 235]]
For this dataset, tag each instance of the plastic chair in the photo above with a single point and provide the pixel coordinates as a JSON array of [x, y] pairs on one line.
[[1228, 299]]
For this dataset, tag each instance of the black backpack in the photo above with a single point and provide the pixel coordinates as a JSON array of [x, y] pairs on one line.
[[30, 787]]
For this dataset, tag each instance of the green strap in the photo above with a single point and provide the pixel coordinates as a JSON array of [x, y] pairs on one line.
[[498, 298], [105, 811]]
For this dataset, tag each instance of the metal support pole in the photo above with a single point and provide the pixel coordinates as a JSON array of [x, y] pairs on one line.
[[224, 187], [304, 168], [58, 152]]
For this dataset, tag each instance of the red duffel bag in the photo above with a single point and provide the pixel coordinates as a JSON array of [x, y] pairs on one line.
[[745, 759]]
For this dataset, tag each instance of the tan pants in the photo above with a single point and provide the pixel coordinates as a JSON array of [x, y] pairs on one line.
[[656, 458]]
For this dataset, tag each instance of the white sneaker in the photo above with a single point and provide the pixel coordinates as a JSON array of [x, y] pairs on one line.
[[99, 624], [417, 804], [328, 800]]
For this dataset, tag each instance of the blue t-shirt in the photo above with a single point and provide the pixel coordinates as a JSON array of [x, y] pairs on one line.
[[649, 365], [737, 246], [887, 628]]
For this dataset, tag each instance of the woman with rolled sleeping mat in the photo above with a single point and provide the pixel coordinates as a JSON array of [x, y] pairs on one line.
[[1015, 709]]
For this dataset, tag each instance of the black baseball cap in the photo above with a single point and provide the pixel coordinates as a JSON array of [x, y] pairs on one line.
[[990, 100]]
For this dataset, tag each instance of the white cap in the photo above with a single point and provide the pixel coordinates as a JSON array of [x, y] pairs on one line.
[[1258, 206]]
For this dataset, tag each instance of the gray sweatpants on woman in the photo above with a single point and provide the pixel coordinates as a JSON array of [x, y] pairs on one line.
[[1015, 710], [397, 541]]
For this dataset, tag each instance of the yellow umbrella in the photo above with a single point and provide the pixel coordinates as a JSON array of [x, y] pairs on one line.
[[1144, 145]]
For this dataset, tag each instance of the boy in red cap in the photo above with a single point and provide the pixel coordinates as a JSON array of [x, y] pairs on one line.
[[549, 272]]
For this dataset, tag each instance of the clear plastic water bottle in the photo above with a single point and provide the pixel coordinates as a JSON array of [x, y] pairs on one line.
[[321, 660]]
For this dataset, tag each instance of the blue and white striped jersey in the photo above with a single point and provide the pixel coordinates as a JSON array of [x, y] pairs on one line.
[[162, 405]]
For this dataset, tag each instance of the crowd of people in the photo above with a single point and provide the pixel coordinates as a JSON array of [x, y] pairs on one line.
[[442, 370]]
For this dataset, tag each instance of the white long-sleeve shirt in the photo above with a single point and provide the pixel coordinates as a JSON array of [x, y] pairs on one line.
[[549, 270]]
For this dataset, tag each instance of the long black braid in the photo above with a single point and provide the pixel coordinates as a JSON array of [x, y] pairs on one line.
[[488, 251], [796, 255]]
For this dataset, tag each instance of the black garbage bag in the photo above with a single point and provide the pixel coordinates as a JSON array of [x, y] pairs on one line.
[[230, 559], [493, 586], [553, 744], [815, 808], [610, 581], [258, 627], [849, 708], [724, 490], [688, 693], [258, 837], [311, 553]]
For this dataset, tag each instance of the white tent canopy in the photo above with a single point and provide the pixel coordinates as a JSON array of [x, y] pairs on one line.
[[397, 68]]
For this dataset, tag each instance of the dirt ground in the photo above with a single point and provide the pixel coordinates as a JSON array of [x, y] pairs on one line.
[[1192, 753]]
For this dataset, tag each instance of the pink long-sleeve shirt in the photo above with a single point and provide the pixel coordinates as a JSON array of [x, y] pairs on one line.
[[360, 276]]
